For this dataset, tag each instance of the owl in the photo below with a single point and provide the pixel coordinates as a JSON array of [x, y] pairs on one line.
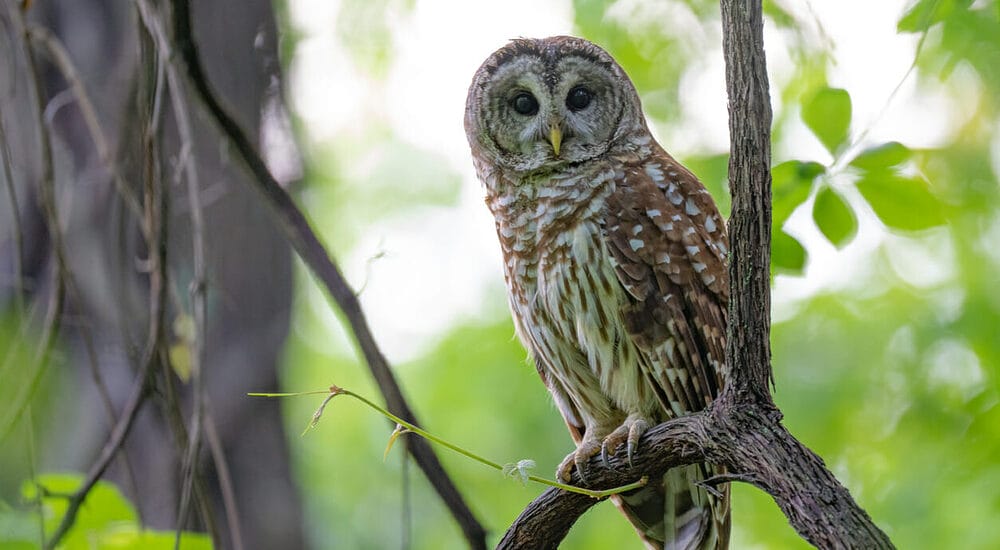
[[614, 259]]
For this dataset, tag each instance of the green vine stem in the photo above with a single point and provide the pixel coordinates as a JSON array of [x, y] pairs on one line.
[[334, 391]]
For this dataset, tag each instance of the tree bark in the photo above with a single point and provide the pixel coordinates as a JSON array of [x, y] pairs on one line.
[[742, 429], [91, 65]]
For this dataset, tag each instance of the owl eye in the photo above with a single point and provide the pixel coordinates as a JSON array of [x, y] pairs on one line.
[[525, 104], [578, 98]]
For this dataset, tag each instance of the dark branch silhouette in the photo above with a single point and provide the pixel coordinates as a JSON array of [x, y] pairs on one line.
[[305, 242]]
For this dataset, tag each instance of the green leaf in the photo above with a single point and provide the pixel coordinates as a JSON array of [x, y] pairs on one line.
[[828, 115], [901, 202], [834, 217], [791, 182], [787, 254], [133, 538], [105, 505], [400, 430], [882, 156], [106, 520], [777, 14], [925, 13]]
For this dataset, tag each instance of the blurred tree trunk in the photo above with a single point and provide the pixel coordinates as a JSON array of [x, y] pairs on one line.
[[249, 273]]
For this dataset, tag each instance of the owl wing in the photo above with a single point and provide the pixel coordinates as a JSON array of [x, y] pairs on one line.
[[669, 243]]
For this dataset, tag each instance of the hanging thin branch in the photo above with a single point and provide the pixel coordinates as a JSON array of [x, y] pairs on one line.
[[187, 166], [155, 230], [305, 242]]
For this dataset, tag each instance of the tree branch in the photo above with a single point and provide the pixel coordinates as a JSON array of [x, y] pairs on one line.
[[57, 301], [741, 430], [197, 291], [747, 339], [305, 242], [155, 230], [751, 444], [547, 520]]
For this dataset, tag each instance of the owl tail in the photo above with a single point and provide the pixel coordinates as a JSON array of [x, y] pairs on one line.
[[678, 514]]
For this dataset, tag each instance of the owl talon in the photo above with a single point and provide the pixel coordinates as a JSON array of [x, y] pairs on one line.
[[604, 454], [615, 264], [628, 434], [635, 430], [578, 459]]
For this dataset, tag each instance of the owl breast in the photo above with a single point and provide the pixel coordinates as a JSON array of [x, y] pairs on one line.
[[566, 298]]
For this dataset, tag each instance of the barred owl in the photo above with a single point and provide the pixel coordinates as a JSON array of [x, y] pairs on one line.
[[614, 262]]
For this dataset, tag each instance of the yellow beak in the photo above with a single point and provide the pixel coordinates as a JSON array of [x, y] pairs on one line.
[[555, 138]]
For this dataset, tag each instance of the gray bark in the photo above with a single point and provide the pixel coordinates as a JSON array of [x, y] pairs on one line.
[[249, 263]]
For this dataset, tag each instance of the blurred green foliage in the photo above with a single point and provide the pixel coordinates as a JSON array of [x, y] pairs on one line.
[[834, 217], [791, 183], [890, 374], [105, 521], [828, 114]]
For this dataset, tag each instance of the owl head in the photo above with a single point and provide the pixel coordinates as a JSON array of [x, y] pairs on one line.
[[541, 104]]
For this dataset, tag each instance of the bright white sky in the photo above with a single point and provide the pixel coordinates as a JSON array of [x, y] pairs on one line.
[[443, 264]]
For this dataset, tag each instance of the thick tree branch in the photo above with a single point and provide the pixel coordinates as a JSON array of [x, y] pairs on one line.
[[751, 445], [305, 242], [751, 442], [545, 522], [748, 350], [741, 430]]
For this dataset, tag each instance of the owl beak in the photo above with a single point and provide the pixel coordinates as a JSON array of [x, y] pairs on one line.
[[555, 137]]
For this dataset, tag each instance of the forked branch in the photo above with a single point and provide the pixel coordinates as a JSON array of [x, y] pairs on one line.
[[742, 429]]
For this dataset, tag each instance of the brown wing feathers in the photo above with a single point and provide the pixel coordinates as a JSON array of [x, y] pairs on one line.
[[673, 269]]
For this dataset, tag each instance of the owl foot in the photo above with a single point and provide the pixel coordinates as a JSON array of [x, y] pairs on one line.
[[628, 434], [578, 459]]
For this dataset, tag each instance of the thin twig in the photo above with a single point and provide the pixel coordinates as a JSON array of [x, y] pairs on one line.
[[15, 217], [118, 434], [57, 53], [49, 207], [29, 432], [225, 479], [297, 229], [186, 160], [170, 403], [60, 57], [56, 304], [40, 361], [154, 220], [515, 470], [848, 153], [407, 516]]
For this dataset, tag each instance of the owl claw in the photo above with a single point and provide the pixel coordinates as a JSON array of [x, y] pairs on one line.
[[628, 434], [578, 459], [635, 431]]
